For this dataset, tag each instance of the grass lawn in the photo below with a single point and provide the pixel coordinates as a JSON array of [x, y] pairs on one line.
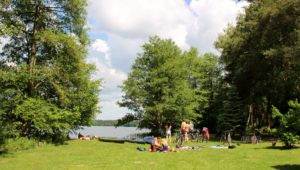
[[93, 154]]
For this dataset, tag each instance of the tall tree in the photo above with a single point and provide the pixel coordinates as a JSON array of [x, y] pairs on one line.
[[205, 79], [157, 89], [231, 115], [261, 56], [47, 45]]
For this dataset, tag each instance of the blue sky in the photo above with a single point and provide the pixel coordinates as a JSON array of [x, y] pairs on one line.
[[118, 28]]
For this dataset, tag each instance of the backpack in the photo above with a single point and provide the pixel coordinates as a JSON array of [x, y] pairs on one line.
[[141, 148]]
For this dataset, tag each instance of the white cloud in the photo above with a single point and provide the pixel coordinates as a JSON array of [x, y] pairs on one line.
[[212, 17], [123, 51], [99, 54], [101, 46], [128, 24], [138, 19]]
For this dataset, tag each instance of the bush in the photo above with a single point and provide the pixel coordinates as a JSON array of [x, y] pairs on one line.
[[44, 121], [264, 131], [5, 133], [289, 138], [289, 128], [17, 144], [2, 141]]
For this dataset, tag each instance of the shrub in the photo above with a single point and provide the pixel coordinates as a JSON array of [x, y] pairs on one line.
[[17, 144], [289, 128], [264, 130], [44, 121], [2, 140]]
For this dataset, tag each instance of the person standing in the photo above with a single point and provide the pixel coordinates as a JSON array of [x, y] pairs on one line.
[[229, 138], [168, 132], [191, 127], [183, 130], [187, 129], [205, 133]]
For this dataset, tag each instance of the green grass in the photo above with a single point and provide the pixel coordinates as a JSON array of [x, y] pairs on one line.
[[93, 154]]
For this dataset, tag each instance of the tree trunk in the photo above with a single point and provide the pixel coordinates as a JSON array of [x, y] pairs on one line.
[[250, 117], [32, 57], [269, 113]]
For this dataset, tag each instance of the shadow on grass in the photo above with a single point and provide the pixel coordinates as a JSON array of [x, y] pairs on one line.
[[10, 150], [6, 154], [280, 148], [59, 144], [287, 167]]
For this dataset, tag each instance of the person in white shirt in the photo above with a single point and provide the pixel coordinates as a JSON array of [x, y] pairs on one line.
[[168, 132]]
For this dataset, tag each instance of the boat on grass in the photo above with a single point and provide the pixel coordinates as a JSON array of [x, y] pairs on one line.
[[123, 140], [137, 140], [114, 140]]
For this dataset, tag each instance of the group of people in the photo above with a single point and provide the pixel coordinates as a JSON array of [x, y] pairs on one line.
[[161, 145], [189, 128], [186, 127], [87, 137]]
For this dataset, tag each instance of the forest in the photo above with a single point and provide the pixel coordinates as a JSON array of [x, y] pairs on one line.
[[97, 122]]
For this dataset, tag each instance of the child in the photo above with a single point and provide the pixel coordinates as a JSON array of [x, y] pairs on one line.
[[168, 131], [164, 146], [155, 144]]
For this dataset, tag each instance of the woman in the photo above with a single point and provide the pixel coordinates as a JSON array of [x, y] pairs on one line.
[[206, 134], [168, 131], [184, 130]]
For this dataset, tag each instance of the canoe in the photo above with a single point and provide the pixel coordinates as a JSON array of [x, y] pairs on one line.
[[149, 140], [139, 141], [114, 140]]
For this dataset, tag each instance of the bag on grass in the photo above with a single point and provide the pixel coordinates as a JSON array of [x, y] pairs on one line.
[[141, 148]]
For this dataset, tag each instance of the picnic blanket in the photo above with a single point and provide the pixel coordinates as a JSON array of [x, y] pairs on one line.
[[218, 147]]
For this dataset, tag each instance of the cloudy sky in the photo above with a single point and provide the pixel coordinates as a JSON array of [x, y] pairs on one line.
[[118, 28]]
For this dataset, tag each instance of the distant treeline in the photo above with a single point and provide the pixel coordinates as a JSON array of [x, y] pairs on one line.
[[114, 122]]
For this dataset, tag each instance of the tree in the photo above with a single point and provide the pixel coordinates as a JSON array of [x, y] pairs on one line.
[[231, 115], [261, 57], [205, 79], [47, 45], [157, 90]]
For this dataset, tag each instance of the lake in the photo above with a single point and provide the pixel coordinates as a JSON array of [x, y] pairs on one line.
[[108, 131]]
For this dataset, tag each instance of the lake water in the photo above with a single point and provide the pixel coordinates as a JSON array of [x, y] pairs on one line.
[[108, 131]]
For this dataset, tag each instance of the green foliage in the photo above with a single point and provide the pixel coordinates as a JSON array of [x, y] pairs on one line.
[[44, 121], [205, 81], [2, 139], [157, 89], [261, 56], [231, 115], [18, 144], [12, 86], [289, 128], [48, 89]]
